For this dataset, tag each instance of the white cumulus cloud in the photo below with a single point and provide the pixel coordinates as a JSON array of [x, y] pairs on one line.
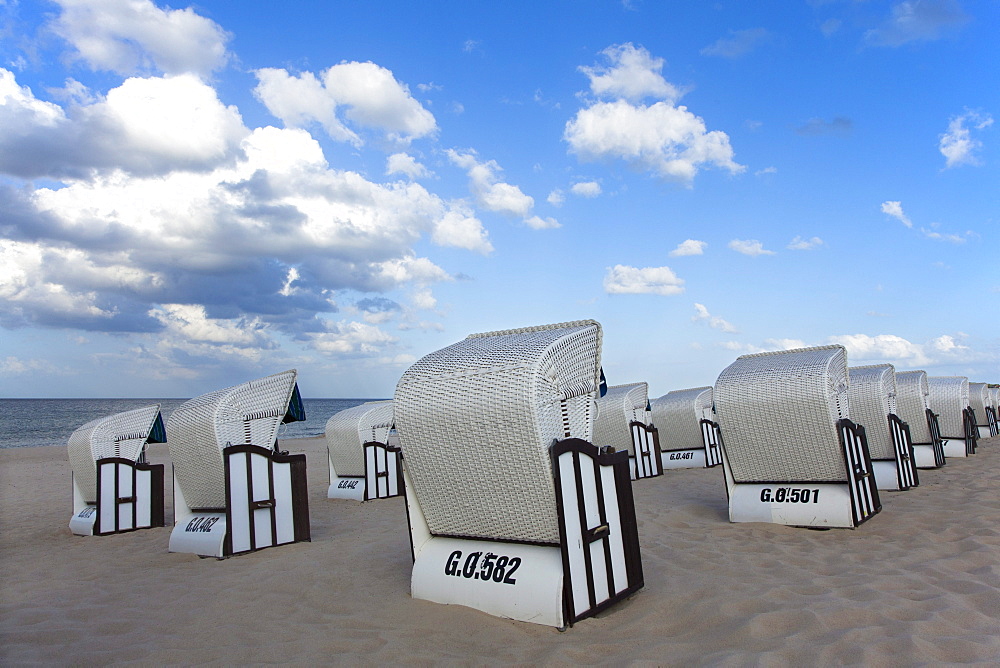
[[750, 247], [149, 209], [622, 279], [402, 163], [800, 243], [363, 94], [588, 189], [136, 36], [144, 126], [662, 138], [460, 228], [957, 144], [491, 193], [539, 223], [946, 349], [689, 247], [631, 73], [714, 321], [895, 210]]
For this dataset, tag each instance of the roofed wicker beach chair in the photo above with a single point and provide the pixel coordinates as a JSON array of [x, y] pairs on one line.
[[680, 417], [512, 510], [364, 465], [913, 406], [949, 399], [114, 488], [981, 402], [872, 398], [790, 452], [234, 492], [623, 421]]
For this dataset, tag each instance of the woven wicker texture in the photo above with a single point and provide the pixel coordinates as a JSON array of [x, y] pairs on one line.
[[350, 429], [620, 405], [200, 428], [995, 397], [120, 435], [475, 421], [948, 397], [678, 414], [979, 399], [912, 403], [872, 395], [778, 415]]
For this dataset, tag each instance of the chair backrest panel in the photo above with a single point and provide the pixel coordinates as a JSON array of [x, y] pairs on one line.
[[621, 405], [678, 415], [949, 397], [979, 399], [778, 414], [912, 403], [476, 419], [348, 430], [122, 435], [198, 430], [872, 396]]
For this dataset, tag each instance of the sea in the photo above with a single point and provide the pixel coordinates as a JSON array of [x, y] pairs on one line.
[[28, 423]]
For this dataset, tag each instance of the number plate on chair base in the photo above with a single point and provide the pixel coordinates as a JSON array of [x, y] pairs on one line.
[[513, 580], [794, 504], [82, 523], [683, 459], [203, 534], [351, 488]]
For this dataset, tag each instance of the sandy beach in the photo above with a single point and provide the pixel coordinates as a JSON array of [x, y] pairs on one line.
[[917, 584]]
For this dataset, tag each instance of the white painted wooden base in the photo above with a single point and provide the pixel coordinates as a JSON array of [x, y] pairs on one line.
[[923, 456], [523, 582], [886, 474], [199, 533], [683, 459], [802, 504], [954, 447], [82, 522], [351, 488], [596, 563]]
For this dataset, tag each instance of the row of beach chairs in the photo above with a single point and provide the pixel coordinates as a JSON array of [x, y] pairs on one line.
[[234, 491], [517, 460]]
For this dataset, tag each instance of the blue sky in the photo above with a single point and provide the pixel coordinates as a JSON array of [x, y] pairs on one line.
[[191, 197]]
